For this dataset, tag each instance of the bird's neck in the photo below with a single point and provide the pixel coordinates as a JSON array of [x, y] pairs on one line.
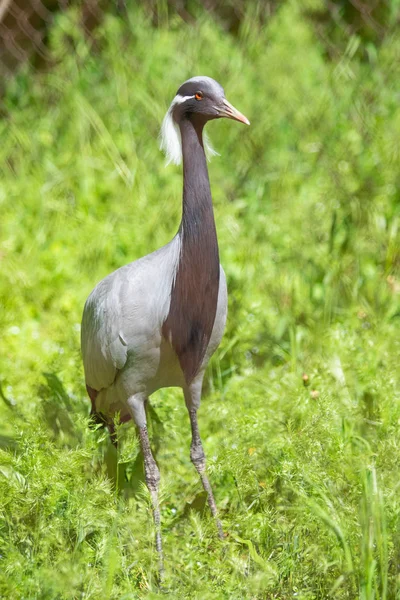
[[198, 233], [197, 209], [194, 295]]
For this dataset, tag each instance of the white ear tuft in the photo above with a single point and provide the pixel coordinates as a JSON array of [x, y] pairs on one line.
[[170, 138]]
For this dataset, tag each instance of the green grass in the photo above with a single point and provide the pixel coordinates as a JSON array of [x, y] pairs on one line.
[[307, 477]]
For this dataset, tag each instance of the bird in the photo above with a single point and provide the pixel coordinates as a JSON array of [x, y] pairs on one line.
[[156, 322]]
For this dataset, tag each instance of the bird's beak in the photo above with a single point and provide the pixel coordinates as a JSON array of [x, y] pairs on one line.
[[230, 112]]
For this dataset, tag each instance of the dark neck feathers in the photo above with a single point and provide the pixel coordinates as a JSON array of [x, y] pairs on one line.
[[195, 292], [197, 201]]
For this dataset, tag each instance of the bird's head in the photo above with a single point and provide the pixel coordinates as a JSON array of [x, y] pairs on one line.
[[199, 99]]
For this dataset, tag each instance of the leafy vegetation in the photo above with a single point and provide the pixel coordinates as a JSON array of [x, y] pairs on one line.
[[301, 414]]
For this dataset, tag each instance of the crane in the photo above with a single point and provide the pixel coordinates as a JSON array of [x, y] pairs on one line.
[[156, 322]]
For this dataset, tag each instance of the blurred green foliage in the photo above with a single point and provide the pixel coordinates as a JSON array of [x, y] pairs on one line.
[[305, 469]]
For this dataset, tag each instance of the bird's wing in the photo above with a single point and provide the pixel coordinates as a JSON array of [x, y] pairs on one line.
[[104, 350], [125, 312]]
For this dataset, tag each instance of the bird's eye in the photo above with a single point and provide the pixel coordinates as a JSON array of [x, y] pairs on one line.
[[199, 95]]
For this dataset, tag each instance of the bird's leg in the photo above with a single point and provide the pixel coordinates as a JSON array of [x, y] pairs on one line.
[[198, 458], [151, 472], [152, 475]]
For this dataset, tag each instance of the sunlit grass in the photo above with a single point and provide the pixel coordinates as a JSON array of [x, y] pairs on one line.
[[305, 471]]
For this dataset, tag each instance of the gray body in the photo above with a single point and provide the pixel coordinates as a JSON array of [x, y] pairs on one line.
[[124, 351]]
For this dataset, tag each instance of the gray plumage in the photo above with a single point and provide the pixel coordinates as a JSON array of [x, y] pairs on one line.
[[156, 322], [123, 349]]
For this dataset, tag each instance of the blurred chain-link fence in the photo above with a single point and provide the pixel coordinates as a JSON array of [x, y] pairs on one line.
[[24, 28], [25, 24]]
